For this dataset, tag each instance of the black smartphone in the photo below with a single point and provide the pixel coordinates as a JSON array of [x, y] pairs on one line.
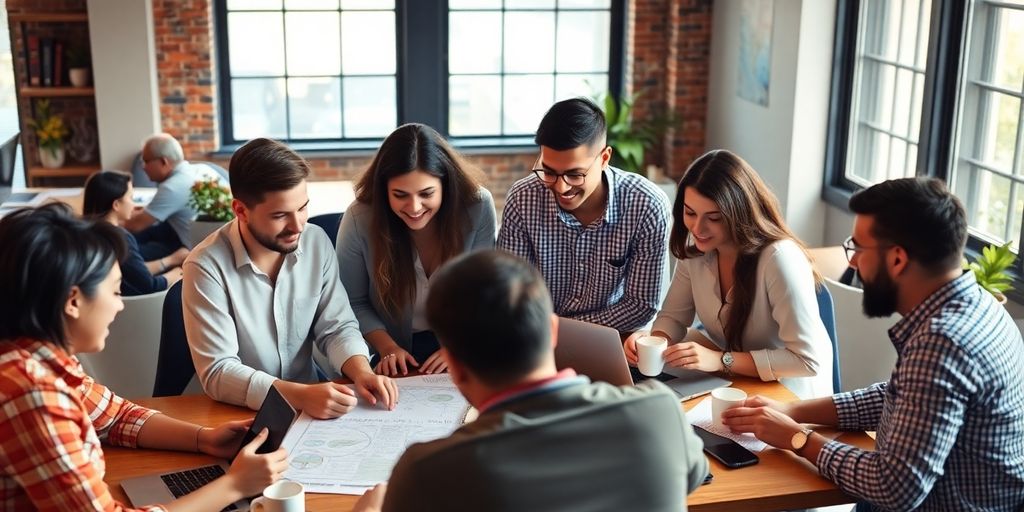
[[708, 479], [725, 450], [276, 415]]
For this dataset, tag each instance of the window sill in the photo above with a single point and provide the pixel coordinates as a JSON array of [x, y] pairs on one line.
[[363, 148]]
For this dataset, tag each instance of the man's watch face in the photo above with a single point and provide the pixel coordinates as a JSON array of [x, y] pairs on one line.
[[798, 440]]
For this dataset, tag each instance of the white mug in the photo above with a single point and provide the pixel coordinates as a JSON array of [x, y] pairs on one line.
[[723, 399], [649, 351], [283, 496]]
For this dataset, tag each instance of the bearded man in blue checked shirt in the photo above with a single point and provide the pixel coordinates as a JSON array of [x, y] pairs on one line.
[[598, 234], [950, 420]]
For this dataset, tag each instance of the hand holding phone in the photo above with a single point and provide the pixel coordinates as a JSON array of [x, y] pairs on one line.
[[725, 450]]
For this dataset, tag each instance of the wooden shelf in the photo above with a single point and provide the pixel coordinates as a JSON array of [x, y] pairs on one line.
[[54, 92], [68, 171], [48, 17]]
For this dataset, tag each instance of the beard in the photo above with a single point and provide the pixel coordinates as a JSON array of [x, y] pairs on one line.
[[273, 242], [880, 295]]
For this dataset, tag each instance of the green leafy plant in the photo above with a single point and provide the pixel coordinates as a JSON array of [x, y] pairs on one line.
[[630, 139], [212, 200], [990, 268], [49, 127]]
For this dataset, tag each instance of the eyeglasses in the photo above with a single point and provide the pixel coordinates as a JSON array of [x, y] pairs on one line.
[[851, 247], [571, 178]]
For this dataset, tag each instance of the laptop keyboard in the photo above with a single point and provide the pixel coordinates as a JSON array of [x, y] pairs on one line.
[[184, 482]]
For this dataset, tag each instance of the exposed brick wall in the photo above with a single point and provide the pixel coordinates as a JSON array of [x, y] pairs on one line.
[[668, 50]]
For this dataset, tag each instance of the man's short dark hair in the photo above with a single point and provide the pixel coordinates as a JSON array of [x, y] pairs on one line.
[[920, 215], [492, 312], [46, 252], [264, 165], [570, 124]]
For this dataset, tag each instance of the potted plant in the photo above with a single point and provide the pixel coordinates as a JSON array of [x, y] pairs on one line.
[[78, 66], [212, 202], [990, 270], [630, 139], [50, 132]]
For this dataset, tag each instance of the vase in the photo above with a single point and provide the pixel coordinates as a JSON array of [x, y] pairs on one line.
[[51, 158], [79, 76], [200, 229]]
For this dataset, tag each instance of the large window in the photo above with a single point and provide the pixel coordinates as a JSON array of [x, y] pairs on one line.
[[933, 88], [343, 73]]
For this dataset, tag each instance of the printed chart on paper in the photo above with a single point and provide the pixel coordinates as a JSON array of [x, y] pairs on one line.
[[349, 454]]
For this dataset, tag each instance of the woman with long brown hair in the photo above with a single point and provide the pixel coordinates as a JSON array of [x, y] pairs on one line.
[[417, 206], [747, 277]]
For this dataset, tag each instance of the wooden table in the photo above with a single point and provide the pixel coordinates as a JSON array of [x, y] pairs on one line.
[[780, 481]]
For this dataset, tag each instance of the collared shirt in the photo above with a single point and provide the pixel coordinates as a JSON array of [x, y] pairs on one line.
[[612, 272], [51, 424], [245, 331], [784, 334], [950, 420], [565, 377], [170, 203]]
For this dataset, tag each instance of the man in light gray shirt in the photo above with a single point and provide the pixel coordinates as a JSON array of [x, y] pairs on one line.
[[163, 225], [260, 292]]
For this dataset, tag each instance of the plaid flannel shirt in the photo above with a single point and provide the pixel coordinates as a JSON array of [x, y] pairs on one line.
[[950, 420], [53, 418]]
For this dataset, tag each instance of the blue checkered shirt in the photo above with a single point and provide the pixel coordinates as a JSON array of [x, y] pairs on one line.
[[612, 272], [950, 420]]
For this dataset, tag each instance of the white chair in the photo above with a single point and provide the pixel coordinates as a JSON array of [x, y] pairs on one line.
[[866, 355], [127, 364]]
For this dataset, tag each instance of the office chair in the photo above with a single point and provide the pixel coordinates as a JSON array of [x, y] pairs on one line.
[[174, 367], [827, 311], [329, 222]]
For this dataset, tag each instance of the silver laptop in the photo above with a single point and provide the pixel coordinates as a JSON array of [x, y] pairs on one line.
[[592, 350], [275, 414]]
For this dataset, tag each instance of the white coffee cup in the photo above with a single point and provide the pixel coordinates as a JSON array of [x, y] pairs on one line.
[[649, 351], [723, 399], [283, 496]]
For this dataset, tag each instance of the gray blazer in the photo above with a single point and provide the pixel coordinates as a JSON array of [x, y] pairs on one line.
[[579, 448], [355, 260]]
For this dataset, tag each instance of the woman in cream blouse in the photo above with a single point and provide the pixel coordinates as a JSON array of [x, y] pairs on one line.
[[732, 243]]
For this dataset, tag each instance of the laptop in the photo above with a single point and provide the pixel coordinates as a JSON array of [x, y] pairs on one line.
[[592, 350], [276, 414]]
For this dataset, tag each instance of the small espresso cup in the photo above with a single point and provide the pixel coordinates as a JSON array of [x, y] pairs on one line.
[[283, 496], [649, 351], [723, 399]]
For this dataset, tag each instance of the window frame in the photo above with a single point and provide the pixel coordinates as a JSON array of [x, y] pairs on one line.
[[421, 43]]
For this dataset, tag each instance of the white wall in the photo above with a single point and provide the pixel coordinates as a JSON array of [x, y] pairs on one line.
[[784, 141], [124, 72]]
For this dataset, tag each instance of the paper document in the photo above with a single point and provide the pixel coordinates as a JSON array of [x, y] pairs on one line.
[[350, 454], [700, 416]]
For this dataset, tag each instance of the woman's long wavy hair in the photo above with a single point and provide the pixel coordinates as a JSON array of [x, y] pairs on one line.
[[414, 147], [752, 218]]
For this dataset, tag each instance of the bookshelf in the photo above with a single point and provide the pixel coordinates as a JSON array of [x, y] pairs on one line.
[[48, 36]]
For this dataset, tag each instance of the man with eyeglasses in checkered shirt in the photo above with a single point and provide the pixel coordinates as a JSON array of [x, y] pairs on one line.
[[598, 234], [950, 419]]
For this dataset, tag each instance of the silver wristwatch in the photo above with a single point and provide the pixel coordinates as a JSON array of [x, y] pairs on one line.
[[727, 361]]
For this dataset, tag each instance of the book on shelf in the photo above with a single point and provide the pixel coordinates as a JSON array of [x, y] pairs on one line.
[[32, 47], [46, 48], [58, 63]]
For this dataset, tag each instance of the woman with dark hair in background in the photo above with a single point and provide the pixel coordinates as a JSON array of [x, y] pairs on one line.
[[60, 279], [417, 206], [108, 197], [747, 277]]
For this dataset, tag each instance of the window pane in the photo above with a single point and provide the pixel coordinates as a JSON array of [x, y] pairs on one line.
[[474, 42], [474, 105], [583, 41], [903, 102], [573, 86], [529, 4], [922, 36], [314, 108], [908, 33], [529, 42], [1008, 65], [474, 4], [255, 44], [299, 5], [368, 43], [312, 43], [257, 108], [575, 4], [370, 106], [368, 4], [897, 159], [987, 210], [881, 27], [999, 133], [254, 5], [526, 99]]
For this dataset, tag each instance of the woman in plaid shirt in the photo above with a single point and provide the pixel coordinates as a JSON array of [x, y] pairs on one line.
[[61, 282]]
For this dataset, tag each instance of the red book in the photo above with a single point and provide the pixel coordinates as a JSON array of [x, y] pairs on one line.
[[33, 61]]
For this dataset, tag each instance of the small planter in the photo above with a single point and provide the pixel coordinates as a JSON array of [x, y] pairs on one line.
[[201, 229], [51, 158], [1000, 298], [80, 77]]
